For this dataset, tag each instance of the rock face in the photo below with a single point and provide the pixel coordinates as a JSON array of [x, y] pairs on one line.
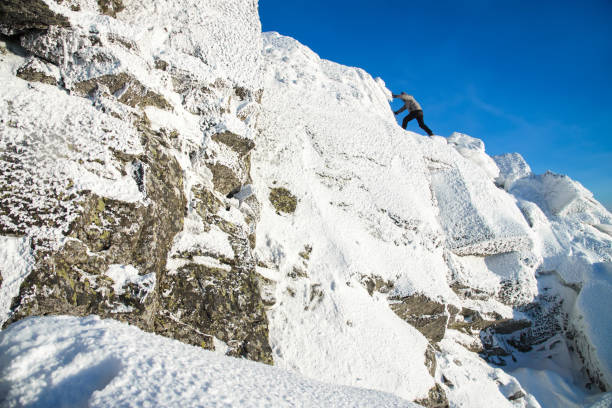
[[427, 316], [416, 231], [123, 217], [17, 16], [179, 172]]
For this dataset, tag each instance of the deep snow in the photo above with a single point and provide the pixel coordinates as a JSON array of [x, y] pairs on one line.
[[72, 362]]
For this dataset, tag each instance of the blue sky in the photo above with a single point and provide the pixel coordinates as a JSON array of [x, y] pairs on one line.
[[533, 77]]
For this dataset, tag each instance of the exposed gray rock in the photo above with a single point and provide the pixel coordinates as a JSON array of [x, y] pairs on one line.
[[32, 71], [240, 145], [200, 294], [18, 16], [430, 360], [126, 88], [471, 321], [225, 179], [374, 283], [72, 280], [283, 200], [517, 395], [435, 399], [426, 315], [111, 7]]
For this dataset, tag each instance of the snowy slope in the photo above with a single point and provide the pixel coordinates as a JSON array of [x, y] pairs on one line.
[[365, 207], [376, 201], [70, 362], [368, 256]]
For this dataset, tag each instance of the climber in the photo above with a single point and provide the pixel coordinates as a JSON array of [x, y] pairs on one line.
[[415, 111]]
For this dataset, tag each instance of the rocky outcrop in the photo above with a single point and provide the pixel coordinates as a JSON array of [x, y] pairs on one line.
[[211, 294], [436, 398], [111, 7], [75, 280], [125, 87], [18, 16], [426, 315], [283, 200], [110, 200], [35, 70]]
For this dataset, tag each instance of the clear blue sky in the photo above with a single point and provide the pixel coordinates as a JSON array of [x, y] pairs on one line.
[[533, 77]]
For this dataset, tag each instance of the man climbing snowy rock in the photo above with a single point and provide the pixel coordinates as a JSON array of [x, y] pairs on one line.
[[415, 111]]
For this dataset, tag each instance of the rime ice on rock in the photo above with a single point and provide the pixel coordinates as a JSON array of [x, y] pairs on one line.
[[359, 254]]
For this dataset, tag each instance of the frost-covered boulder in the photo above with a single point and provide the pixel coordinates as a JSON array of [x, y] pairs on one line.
[[19, 16], [478, 219], [474, 149], [512, 167], [592, 327], [559, 195]]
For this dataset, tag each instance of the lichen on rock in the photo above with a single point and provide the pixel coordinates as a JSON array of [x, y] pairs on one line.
[[107, 231], [436, 398], [239, 144], [283, 200]]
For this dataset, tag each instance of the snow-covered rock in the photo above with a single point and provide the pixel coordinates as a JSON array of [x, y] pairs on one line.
[[474, 150], [165, 164], [123, 131], [512, 167]]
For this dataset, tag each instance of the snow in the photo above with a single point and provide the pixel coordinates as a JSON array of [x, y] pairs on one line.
[[548, 372], [512, 167], [194, 238], [474, 149], [373, 201], [558, 195], [125, 274], [16, 263], [59, 152], [69, 362], [591, 318], [357, 209], [477, 217], [471, 382]]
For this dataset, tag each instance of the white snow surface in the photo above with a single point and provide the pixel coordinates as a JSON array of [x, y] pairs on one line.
[[126, 274], [474, 149], [74, 144], [591, 318], [512, 167], [474, 382], [373, 201], [16, 264], [73, 362], [320, 121]]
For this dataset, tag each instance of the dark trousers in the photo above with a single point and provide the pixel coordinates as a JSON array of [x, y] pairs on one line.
[[418, 114]]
